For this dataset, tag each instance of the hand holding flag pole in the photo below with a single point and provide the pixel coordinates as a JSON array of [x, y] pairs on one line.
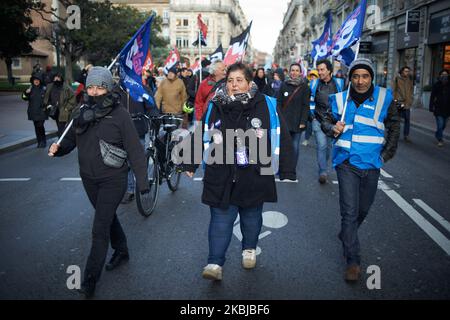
[[349, 85], [140, 41]]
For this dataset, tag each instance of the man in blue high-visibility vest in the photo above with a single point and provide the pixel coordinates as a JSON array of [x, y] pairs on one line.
[[321, 89], [365, 139]]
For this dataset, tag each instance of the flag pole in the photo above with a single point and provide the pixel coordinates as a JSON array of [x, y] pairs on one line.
[[349, 84], [200, 52]]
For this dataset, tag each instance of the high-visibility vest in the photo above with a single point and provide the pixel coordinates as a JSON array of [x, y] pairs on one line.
[[363, 137], [313, 86], [275, 132]]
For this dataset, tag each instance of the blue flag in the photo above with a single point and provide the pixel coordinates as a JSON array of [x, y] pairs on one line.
[[350, 31], [134, 58], [346, 56], [321, 46]]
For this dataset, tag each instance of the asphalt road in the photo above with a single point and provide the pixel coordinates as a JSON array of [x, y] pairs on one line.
[[45, 226]]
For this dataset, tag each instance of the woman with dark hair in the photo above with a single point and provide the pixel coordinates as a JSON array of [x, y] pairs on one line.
[[260, 79], [244, 183], [440, 104], [106, 139], [293, 101]]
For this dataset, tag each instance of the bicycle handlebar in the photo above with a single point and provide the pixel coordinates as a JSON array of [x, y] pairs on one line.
[[159, 117]]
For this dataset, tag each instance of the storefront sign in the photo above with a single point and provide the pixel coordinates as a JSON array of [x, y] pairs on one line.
[[439, 27], [380, 43], [365, 47], [412, 21], [406, 40]]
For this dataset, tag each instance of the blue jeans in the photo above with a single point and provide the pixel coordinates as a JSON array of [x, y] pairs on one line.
[[221, 230], [406, 115], [131, 186], [296, 137], [323, 147], [441, 123], [357, 189]]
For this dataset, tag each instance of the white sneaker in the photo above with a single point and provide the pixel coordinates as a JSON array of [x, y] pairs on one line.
[[212, 272], [305, 142], [249, 258]]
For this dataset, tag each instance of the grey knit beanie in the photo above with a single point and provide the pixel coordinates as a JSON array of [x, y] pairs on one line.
[[100, 76], [361, 63]]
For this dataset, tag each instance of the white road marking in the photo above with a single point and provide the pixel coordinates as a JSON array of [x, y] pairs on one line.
[[433, 214], [286, 181], [429, 229], [385, 174], [276, 180], [14, 179], [271, 219], [70, 179], [335, 182]]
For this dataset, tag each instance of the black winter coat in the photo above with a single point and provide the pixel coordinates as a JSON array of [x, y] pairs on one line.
[[35, 98], [440, 99], [228, 184], [115, 128], [297, 111]]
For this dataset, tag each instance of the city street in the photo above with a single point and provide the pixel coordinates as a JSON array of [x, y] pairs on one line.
[[46, 219]]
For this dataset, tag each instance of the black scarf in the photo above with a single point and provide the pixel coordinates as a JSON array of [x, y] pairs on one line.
[[95, 109], [222, 97], [359, 98], [295, 82]]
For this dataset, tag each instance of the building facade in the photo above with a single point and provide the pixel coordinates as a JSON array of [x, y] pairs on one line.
[[425, 49], [160, 7], [224, 18], [43, 52]]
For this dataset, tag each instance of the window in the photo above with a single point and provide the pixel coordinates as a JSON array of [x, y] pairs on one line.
[[179, 41], [178, 23], [182, 42], [185, 22], [16, 63], [166, 14]]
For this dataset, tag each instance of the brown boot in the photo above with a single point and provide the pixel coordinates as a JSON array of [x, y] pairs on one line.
[[352, 273]]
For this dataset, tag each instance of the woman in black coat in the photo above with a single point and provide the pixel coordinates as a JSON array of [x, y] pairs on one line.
[[238, 180], [100, 125], [440, 104], [293, 101], [36, 112]]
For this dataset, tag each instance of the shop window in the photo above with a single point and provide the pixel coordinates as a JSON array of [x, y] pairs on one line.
[[447, 57]]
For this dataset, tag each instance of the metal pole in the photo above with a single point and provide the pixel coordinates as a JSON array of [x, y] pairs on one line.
[[200, 52], [349, 85]]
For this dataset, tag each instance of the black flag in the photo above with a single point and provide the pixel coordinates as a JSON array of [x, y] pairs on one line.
[[237, 47]]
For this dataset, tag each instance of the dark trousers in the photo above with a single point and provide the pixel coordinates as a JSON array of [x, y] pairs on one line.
[[296, 136], [61, 126], [105, 195], [441, 123], [406, 115], [357, 189], [40, 131]]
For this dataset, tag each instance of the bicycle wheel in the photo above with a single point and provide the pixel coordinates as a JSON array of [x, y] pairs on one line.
[[147, 203], [173, 176]]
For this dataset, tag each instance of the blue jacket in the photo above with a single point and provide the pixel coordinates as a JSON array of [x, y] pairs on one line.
[[313, 86], [363, 137]]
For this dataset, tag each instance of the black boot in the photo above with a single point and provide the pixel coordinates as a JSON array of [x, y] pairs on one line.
[[117, 259], [88, 287]]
